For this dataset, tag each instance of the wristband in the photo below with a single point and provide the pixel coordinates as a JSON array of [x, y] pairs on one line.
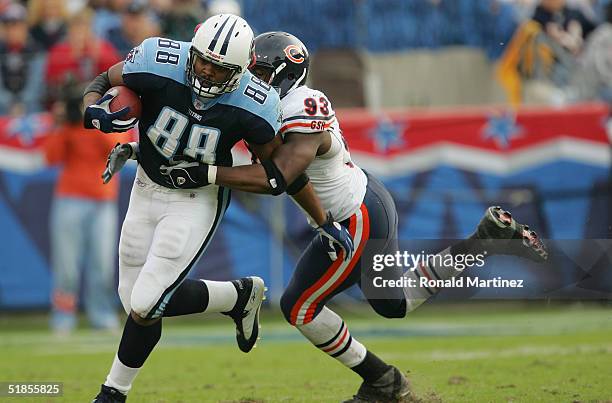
[[212, 174], [99, 85]]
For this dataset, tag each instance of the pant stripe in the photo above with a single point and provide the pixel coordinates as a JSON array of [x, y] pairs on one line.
[[365, 235], [298, 311], [304, 309], [222, 203]]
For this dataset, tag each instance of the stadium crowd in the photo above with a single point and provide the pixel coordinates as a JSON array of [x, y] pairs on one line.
[[45, 44], [553, 51]]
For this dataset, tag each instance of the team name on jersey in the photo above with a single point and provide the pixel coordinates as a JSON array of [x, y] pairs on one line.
[[195, 115]]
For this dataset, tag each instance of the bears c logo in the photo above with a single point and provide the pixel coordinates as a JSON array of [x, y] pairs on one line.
[[294, 53]]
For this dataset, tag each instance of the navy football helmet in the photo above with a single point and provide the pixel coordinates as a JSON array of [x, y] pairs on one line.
[[281, 60]]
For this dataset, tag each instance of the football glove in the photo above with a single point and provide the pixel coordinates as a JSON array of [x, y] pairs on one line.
[[100, 117], [185, 173], [332, 233], [117, 159]]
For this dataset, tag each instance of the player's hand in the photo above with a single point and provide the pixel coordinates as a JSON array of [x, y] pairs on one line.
[[117, 159], [185, 173], [333, 233], [100, 117]]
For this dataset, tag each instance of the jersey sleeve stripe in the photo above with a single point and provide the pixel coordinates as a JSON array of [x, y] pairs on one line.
[[330, 117], [302, 124]]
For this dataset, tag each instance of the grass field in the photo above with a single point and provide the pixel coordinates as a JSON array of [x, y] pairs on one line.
[[467, 353]]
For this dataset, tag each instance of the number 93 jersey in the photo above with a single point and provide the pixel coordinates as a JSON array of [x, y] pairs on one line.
[[175, 122], [337, 181]]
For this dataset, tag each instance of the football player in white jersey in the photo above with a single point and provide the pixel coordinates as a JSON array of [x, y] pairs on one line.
[[315, 152]]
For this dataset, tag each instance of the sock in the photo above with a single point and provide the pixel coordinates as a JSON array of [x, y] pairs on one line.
[[191, 297], [121, 376], [136, 344], [329, 334], [431, 269], [222, 296], [371, 368]]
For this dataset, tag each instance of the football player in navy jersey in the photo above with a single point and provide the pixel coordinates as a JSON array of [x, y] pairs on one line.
[[198, 100]]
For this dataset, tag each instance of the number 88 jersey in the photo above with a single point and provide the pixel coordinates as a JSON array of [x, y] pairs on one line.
[[175, 122], [337, 181]]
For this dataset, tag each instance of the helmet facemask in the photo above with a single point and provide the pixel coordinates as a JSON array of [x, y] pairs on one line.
[[205, 87], [264, 72], [271, 75]]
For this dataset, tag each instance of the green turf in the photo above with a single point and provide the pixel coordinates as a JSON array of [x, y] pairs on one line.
[[519, 353]]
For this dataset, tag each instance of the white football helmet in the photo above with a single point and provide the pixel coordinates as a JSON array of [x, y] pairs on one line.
[[225, 40]]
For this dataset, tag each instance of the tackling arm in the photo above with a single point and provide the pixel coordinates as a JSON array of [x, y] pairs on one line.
[[287, 162], [291, 158]]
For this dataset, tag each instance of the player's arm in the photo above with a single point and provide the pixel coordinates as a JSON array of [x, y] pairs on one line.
[[291, 159], [287, 165], [298, 187], [287, 162], [97, 113], [102, 83]]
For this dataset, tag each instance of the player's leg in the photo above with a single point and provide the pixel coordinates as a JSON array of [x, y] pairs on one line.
[[189, 220], [135, 241], [67, 218], [101, 239], [315, 281], [391, 302], [497, 233], [381, 381], [239, 299]]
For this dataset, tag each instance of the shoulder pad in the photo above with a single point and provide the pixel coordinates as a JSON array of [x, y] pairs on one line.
[[159, 56], [306, 111], [256, 97]]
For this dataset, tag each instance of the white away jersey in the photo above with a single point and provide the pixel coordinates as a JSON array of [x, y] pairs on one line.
[[337, 181]]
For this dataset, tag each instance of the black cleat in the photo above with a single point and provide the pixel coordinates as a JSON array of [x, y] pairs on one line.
[[109, 395], [392, 387], [245, 314], [498, 224]]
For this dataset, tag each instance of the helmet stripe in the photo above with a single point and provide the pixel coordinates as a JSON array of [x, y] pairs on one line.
[[213, 43], [227, 38]]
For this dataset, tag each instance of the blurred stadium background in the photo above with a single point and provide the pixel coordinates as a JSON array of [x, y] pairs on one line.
[[456, 104]]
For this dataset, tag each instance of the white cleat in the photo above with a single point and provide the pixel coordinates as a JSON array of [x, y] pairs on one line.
[[246, 311]]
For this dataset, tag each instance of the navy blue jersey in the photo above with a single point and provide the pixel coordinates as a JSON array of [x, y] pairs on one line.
[[174, 122]]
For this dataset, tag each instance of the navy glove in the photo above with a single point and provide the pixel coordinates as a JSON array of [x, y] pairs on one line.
[[333, 233], [100, 117], [117, 159], [185, 173]]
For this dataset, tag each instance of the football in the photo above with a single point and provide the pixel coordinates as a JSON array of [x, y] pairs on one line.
[[126, 97]]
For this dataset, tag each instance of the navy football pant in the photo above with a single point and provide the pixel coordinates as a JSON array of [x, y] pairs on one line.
[[317, 279]]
